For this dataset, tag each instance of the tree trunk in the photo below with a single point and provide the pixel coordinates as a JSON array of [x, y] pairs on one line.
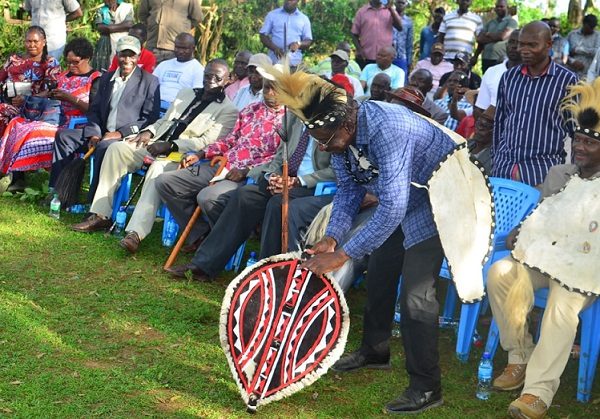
[[575, 14], [589, 4]]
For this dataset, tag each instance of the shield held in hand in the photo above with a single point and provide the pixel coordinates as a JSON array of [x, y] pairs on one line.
[[281, 328]]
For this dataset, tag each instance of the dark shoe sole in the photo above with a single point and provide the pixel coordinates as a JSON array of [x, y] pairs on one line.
[[385, 366], [414, 412], [129, 249]]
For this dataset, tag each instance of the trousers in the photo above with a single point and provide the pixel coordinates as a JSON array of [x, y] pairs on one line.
[[246, 207], [420, 266], [68, 142], [121, 158], [547, 360], [183, 190]]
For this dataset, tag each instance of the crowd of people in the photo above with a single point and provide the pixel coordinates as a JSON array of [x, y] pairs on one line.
[[376, 125]]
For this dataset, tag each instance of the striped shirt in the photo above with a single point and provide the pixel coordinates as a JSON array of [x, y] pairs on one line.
[[460, 32], [529, 128], [461, 105], [405, 148]]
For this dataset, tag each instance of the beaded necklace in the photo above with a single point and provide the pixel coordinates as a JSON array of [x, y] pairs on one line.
[[365, 168]]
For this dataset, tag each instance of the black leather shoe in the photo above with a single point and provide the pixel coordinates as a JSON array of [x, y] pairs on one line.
[[359, 359], [415, 401]]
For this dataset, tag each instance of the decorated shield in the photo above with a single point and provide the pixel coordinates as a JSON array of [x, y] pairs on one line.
[[282, 327], [561, 237]]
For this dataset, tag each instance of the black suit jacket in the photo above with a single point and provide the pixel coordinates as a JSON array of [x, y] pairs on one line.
[[139, 105]]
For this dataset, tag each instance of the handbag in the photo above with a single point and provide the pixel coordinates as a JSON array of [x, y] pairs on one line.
[[37, 108]]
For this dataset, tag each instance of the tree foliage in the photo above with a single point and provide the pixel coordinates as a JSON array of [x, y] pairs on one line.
[[233, 25]]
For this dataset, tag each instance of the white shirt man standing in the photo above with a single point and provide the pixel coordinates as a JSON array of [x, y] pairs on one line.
[[179, 72]]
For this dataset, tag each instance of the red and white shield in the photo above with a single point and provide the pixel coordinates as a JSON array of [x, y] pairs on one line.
[[282, 327]]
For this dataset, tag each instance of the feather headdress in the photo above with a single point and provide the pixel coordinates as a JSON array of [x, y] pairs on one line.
[[316, 101], [583, 102]]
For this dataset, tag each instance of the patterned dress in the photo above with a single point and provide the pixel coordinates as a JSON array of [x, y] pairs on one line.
[[27, 145], [18, 68]]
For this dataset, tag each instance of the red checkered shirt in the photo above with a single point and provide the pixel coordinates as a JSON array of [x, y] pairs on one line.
[[254, 138]]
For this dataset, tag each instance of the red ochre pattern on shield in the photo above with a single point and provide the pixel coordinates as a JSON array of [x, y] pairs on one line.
[[288, 327]]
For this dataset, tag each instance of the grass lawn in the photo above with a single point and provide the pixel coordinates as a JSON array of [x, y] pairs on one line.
[[86, 330]]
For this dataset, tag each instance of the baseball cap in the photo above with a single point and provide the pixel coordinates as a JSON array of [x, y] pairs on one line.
[[463, 56], [340, 53], [437, 48], [277, 68], [259, 60], [129, 42]]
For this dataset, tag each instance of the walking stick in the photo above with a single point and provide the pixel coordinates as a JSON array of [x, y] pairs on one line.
[[148, 160], [285, 193], [222, 161]]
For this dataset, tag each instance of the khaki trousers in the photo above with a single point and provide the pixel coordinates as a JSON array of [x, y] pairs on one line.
[[545, 361], [122, 158]]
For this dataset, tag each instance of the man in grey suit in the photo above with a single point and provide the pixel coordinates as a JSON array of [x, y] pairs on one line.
[[234, 220], [124, 103]]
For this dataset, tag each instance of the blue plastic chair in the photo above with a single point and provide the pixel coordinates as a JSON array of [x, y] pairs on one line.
[[589, 345], [513, 201], [78, 122]]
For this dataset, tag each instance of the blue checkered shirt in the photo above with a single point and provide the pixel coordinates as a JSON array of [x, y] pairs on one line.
[[405, 148]]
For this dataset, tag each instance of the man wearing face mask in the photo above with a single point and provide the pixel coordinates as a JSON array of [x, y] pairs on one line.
[[196, 118]]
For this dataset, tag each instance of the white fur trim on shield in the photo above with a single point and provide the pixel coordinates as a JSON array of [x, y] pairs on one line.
[[461, 203], [561, 237]]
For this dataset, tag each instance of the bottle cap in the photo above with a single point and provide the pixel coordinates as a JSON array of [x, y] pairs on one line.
[[486, 355], [253, 255]]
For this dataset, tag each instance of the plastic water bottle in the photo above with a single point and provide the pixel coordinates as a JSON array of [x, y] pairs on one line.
[[484, 377], [171, 232], [396, 332], [251, 260], [55, 207], [120, 220]]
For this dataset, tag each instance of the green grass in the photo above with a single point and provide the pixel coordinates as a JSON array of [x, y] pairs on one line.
[[86, 330]]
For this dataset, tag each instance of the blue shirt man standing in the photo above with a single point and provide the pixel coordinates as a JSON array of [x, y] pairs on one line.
[[288, 25], [389, 151]]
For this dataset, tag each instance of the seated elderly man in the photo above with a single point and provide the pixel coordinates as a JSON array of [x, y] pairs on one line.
[[253, 142], [234, 220], [180, 72], [252, 92], [196, 118], [381, 83], [383, 64], [126, 101], [339, 64], [566, 253]]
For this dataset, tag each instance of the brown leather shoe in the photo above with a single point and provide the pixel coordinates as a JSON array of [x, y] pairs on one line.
[[181, 270], [511, 378], [92, 223], [528, 406], [131, 242]]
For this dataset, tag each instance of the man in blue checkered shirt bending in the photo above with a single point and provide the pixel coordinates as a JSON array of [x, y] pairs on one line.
[[384, 149]]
